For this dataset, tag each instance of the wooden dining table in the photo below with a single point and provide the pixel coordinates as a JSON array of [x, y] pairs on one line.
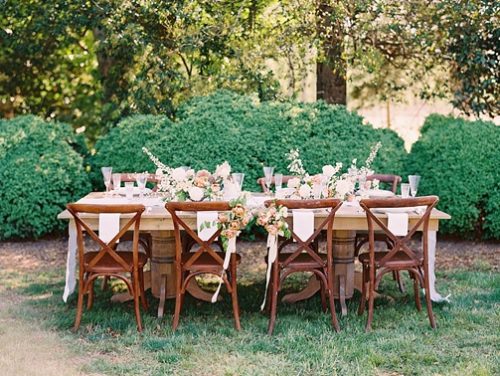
[[157, 221]]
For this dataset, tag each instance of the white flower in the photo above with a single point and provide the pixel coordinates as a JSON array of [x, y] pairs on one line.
[[305, 191], [293, 183], [343, 187], [196, 193], [178, 174], [328, 171], [223, 171]]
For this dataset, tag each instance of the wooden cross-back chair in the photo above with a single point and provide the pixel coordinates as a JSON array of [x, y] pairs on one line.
[[400, 256], [263, 186], [108, 262], [362, 237], [306, 258], [204, 260]]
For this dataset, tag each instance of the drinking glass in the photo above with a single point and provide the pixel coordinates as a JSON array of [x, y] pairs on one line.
[[106, 174], [405, 190], [141, 180], [238, 178], [129, 190], [268, 176], [278, 181], [414, 180], [117, 181]]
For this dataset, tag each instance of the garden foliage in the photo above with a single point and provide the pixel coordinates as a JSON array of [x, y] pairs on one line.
[[40, 173], [248, 134], [459, 161]]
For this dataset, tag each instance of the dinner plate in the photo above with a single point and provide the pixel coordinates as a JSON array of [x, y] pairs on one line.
[[122, 191], [411, 209], [378, 193]]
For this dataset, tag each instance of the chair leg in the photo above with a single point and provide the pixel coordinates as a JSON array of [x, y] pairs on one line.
[[371, 299], [330, 289], [428, 300], [323, 296], [90, 298], [397, 277], [135, 292], [144, 300], [234, 294], [79, 306], [416, 293], [274, 299], [178, 300], [362, 301], [105, 282]]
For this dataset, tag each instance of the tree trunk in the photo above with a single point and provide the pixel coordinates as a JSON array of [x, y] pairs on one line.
[[331, 71]]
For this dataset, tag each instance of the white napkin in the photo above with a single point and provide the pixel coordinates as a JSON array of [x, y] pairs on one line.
[[109, 226], [303, 223], [397, 223], [206, 218]]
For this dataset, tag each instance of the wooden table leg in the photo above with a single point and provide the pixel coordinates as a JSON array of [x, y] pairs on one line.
[[343, 256]]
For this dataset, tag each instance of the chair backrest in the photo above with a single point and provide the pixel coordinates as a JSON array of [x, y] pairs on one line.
[[107, 248], [151, 178], [265, 189], [400, 243], [205, 246], [327, 224], [392, 180]]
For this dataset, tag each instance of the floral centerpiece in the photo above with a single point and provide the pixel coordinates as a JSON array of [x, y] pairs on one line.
[[182, 184]]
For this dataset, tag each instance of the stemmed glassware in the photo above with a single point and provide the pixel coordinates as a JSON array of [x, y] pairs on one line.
[[106, 174], [414, 180], [278, 181], [141, 180], [268, 176], [117, 181], [238, 178]]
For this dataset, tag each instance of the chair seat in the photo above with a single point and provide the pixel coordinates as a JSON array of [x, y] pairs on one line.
[[304, 260], [399, 260], [205, 261], [107, 264]]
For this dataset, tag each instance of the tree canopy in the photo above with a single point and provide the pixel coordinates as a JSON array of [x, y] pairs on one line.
[[91, 62]]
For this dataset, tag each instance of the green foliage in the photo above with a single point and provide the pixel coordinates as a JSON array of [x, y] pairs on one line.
[[40, 172], [458, 161], [121, 148], [248, 134]]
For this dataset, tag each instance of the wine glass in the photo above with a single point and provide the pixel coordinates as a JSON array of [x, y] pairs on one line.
[[268, 176], [414, 180], [278, 181], [238, 178], [141, 180], [106, 174], [117, 181]]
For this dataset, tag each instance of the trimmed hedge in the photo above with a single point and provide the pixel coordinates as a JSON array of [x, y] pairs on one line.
[[121, 148], [40, 172], [459, 160], [248, 134]]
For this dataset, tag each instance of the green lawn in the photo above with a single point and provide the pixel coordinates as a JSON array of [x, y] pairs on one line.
[[466, 342]]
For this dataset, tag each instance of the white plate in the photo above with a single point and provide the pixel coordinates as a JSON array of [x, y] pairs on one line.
[[378, 193], [412, 209], [136, 191]]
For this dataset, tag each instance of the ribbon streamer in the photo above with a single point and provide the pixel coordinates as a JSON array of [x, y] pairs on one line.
[[231, 248], [272, 246]]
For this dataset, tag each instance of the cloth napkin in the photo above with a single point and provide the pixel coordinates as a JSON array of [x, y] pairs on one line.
[[303, 223], [206, 218], [397, 223], [109, 226]]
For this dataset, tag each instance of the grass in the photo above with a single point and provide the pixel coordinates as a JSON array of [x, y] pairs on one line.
[[465, 343]]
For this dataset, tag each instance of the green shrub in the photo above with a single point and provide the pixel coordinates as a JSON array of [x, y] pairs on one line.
[[249, 134], [459, 161], [40, 173], [121, 148]]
